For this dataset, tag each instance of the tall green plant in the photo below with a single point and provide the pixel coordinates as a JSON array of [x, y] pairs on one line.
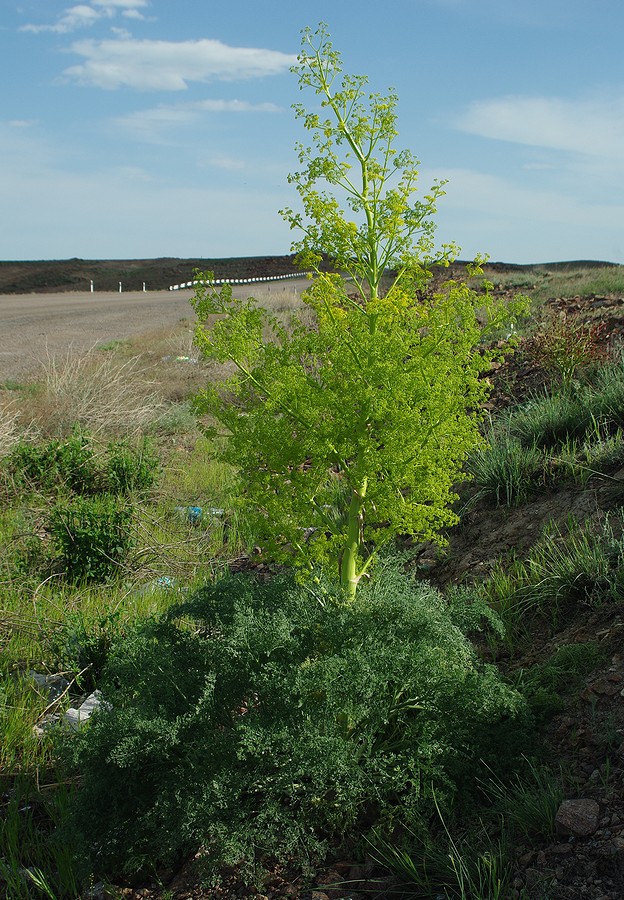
[[355, 429], [353, 154]]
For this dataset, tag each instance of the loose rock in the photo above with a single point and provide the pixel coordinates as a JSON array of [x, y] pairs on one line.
[[577, 817]]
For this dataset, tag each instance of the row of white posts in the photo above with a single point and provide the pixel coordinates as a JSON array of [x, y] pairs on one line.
[[120, 289], [190, 284]]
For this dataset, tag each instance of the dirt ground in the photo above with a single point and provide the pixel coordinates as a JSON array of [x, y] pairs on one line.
[[34, 326]]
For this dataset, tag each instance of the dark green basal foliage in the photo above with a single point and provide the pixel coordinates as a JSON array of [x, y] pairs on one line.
[[90, 536], [77, 465], [266, 719], [90, 493]]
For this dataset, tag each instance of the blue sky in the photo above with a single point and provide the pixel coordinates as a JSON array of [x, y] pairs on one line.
[[146, 128]]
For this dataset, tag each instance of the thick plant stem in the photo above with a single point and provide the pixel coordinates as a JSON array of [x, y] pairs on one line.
[[349, 576]]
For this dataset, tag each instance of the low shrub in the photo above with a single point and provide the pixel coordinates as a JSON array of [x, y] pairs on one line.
[[546, 685], [528, 803], [83, 643], [580, 565], [549, 420], [10, 431], [69, 463], [76, 464], [130, 467], [266, 719], [98, 391], [472, 865], [576, 432], [565, 344], [90, 536], [34, 863], [609, 392]]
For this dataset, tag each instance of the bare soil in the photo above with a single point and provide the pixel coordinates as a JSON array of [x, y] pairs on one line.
[[34, 326], [47, 306]]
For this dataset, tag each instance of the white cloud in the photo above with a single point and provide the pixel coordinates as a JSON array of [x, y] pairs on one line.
[[130, 9], [83, 15], [168, 65], [471, 190], [227, 163], [72, 19], [54, 212], [593, 127], [157, 123], [126, 5], [149, 123], [519, 223], [236, 106], [56, 207]]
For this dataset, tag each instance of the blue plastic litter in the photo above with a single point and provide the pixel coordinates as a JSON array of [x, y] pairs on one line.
[[194, 514]]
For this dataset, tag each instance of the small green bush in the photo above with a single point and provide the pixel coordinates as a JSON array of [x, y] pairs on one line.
[[82, 645], [76, 465], [550, 420], [470, 865], [579, 566], [547, 684], [130, 468], [90, 536], [576, 432], [34, 863], [528, 803], [582, 564], [264, 720], [609, 392], [69, 463], [84, 531]]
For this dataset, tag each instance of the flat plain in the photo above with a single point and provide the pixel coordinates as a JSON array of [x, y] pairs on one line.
[[36, 326]]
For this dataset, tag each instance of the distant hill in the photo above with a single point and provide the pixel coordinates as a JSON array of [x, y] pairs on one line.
[[158, 274], [46, 276]]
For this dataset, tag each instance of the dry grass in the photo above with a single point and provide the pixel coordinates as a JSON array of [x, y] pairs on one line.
[[95, 390], [278, 297], [10, 431]]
